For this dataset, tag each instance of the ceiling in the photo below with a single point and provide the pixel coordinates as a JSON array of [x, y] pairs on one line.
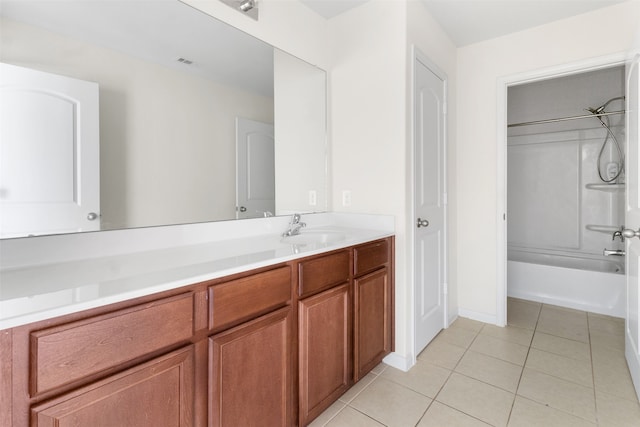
[[472, 21]]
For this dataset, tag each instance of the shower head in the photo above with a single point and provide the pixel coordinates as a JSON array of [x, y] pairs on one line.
[[601, 108], [596, 111]]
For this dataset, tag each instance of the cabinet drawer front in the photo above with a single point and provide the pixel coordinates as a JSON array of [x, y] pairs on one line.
[[233, 302], [323, 272], [158, 393], [370, 256], [67, 353]]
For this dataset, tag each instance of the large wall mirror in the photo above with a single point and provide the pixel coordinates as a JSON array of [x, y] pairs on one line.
[[121, 114]]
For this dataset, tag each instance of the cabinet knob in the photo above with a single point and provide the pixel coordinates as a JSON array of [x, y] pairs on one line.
[[422, 223], [92, 216]]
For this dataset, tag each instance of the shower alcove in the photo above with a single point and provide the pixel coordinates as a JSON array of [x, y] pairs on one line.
[[562, 210]]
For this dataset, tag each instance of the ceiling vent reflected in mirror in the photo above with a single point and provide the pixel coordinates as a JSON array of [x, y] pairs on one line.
[[248, 7], [184, 61]]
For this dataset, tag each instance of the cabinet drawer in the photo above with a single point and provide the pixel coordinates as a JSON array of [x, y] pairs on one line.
[[370, 256], [233, 302], [67, 353], [157, 393], [323, 272]]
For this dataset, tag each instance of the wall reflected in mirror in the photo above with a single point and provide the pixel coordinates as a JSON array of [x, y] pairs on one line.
[[172, 83]]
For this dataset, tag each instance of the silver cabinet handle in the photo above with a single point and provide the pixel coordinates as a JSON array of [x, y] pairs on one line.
[[243, 209], [92, 216], [629, 233], [422, 223]]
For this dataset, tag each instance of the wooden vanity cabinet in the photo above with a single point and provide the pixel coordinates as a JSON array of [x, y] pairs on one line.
[[250, 375], [157, 393], [129, 364], [325, 323], [250, 365], [373, 305], [270, 347]]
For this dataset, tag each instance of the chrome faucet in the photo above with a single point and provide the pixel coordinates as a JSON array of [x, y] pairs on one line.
[[618, 233], [294, 226], [614, 252]]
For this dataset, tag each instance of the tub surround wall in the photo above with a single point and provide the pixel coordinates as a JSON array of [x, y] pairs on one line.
[[557, 203], [552, 205]]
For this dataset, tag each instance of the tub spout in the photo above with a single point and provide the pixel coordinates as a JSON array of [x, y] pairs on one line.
[[613, 252]]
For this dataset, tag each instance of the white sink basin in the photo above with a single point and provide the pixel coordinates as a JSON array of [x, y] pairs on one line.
[[310, 237]]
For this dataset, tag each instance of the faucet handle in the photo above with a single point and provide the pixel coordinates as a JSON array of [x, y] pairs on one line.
[[618, 233], [295, 219]]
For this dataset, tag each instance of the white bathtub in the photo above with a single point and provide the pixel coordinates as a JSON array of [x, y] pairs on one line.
[[594, 284]]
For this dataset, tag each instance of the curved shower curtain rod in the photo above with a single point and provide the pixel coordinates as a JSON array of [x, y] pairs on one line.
[[564, 119]]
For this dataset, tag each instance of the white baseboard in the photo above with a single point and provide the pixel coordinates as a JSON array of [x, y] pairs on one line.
[[404, 363], [480, 317]]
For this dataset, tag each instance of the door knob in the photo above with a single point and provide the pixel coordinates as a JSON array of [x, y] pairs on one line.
[[629, 233], [422, 223]]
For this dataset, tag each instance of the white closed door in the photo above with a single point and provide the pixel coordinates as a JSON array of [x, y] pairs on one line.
[[49, 153], [632, 222], [429, 201], [255, 169]]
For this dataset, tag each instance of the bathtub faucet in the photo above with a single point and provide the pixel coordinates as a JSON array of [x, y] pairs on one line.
[[614, 252], [618, 233]]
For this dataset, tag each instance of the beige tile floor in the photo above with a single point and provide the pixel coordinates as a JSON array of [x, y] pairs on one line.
[[551, 366]]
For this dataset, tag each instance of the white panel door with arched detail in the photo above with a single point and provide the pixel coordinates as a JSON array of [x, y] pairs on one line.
[[429, 201], [632, 218], [255, 169], [49, 153]]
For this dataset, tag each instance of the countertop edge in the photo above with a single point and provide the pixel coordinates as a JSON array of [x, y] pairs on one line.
[[41, 315]]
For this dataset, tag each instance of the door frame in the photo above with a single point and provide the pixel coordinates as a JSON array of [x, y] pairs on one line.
[[416, 55], [501, 184]]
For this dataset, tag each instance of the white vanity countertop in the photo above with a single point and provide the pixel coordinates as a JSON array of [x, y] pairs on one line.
[[43, 291]]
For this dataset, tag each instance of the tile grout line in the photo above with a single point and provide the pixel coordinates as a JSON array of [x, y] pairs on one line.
[[445, 381], [593, 374], [535, 328], [451, 371]]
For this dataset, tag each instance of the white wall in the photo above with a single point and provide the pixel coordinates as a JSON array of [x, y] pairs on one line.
[[480, 66], [300, 113], [371, 125], [368, 120]]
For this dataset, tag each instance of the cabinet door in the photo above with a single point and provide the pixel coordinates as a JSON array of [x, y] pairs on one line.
[[325, 357], [157, 393], [250, 373], [372, 341]]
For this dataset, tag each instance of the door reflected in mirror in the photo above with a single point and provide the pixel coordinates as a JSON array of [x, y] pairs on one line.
[[172, 82]]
